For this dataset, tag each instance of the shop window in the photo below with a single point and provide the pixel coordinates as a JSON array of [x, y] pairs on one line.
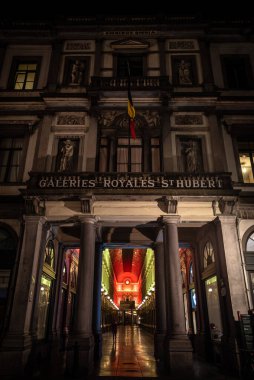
[[213, 305], [209, 257], [249, 262], [246, 157], [129, 157], [45, 292], [67, 155], [191, 154], [184, 72], [10, 159], [191, 275], [76, 70], [69, 287], [65, 275], [7, 260], [43, 306], [135, 64], [49, 256], [237, 72], [24, 73]]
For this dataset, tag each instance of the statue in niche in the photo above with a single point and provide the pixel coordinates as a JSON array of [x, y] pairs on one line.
[[77, 71], [184, 74], [66, 156], [191, 154]]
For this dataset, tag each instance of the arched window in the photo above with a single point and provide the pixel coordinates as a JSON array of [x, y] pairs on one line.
[[250, 243], [209, 257], [49, 256], [249, 262]]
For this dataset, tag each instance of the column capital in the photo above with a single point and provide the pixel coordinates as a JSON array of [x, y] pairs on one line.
[[171, 219], [225, 219], [35, 219], [88, 219]]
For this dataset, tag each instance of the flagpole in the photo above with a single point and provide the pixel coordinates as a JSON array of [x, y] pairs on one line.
[[129, 137]]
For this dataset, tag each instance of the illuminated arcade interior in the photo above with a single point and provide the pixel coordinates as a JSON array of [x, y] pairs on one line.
[[128, 283]]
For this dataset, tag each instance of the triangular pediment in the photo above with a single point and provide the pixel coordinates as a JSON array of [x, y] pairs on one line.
[[129, 44]]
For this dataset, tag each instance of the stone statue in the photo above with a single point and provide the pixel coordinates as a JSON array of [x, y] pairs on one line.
[[184, 72], [66, 156], [77, 72], [191, 156]]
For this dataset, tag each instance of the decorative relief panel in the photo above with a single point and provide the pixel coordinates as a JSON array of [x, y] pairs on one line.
[[71, 119], [189, 120], [79, 45], [182, 45], [119, 119]]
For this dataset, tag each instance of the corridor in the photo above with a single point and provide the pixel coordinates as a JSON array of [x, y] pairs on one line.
[[132, 355]]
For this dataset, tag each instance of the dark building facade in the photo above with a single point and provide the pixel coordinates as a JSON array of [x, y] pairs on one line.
[[94, 225]]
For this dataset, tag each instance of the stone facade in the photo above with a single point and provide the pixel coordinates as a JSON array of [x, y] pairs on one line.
[[66, 184]]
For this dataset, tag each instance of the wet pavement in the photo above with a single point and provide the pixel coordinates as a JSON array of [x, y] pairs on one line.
[[132, 356]]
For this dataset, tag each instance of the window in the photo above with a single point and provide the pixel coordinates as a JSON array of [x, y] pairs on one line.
[[184, 70], [7, 260], [155, 154], [49, 256], [250, 243], [69, 287], [135, 65], [209, 257], [10, 159], [129, 155], [24, 73], [246, 157], [191, 274], [237, 72], [104, 155], [43, 306], [249, 262], [213, 305], [46, 286]]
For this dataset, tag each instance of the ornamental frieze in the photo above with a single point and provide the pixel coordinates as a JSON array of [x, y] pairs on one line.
[[118, 119], [188, 120], [71, 119]]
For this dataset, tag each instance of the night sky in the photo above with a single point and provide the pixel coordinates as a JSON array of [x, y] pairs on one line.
[[51, 8]]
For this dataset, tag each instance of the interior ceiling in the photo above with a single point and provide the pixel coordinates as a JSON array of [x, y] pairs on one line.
[[127, 263]]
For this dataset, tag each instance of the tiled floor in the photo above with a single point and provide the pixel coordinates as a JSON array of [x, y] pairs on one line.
[[132, 356]]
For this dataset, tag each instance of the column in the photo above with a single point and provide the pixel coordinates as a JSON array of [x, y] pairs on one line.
[[208, 80], [231, 287], [217, 154], [97, 301], [81, 338], [180, 350], [54, 65], [161, 45], [97, 61], [17, 343], [160, 302]]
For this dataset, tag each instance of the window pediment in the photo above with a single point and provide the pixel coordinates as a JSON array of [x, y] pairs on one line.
[[129, 44]]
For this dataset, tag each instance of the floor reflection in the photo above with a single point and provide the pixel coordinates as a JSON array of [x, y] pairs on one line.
[[131, 355]]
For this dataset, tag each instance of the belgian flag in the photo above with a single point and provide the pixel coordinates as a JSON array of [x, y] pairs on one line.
[[131, 109]]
